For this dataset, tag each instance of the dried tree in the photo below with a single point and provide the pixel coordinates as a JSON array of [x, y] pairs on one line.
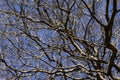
[[59, 39]]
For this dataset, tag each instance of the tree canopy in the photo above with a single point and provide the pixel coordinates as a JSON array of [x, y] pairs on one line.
[[60, 39]]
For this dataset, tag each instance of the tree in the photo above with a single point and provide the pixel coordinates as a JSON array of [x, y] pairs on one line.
[[59, 39]]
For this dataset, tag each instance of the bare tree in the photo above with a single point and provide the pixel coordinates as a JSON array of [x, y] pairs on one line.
[[59, 40]]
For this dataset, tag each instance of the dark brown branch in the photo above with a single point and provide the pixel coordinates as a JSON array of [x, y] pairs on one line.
[[92, 14], [107, 10]]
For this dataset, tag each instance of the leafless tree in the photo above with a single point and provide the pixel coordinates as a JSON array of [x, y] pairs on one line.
[[59, 39]]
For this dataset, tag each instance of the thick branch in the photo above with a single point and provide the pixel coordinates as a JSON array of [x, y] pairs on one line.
[[107, 10]]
